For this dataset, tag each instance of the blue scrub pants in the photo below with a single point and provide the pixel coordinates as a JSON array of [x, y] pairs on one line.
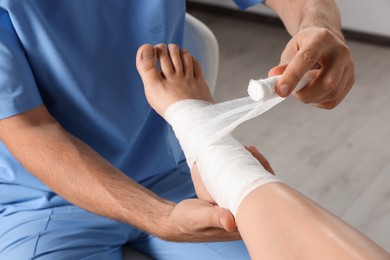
[[68, 232]]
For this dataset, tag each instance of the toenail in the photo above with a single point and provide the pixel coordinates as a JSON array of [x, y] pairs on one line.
[[173, 46], [161, 46], [147, 53], [184, 50]]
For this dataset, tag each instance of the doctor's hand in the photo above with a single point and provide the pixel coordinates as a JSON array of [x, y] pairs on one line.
[[316, 48], [196, 220]]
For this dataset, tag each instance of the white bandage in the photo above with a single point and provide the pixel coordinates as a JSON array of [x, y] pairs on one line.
[[227, 169]]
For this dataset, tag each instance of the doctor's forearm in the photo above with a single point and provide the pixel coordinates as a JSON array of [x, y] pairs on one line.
[[80, 175], [300, 14]]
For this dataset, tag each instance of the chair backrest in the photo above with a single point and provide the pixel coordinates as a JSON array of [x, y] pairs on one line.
[[200, 41]]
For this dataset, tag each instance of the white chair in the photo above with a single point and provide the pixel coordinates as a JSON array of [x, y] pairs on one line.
[[200, 41], [202, 44]]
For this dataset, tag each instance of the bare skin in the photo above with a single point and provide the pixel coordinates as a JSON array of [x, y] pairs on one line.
[[275, 221], [317, 42], [181, 77]]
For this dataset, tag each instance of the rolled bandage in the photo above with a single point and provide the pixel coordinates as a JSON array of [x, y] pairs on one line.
[[265, 88], [262, 88], [228, 170]]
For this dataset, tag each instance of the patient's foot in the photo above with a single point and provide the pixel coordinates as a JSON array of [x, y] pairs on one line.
[[180, 77]]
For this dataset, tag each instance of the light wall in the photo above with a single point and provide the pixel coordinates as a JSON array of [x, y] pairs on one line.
[[364, 16]]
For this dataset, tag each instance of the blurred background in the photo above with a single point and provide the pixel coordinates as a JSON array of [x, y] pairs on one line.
[[339, 158]]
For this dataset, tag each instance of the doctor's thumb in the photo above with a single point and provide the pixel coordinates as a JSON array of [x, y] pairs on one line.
[[222, 218], [282, 89]]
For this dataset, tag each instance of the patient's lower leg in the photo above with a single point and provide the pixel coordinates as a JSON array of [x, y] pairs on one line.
[[277, 222]]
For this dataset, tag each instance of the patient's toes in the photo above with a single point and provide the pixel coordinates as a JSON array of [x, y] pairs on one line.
[[174, 53], [147, 64], [197, 68], [164, 59], [187, 63]]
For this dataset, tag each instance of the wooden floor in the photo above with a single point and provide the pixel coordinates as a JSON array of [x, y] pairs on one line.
[[338, 158]]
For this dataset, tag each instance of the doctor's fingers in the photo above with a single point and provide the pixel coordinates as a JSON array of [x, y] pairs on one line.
[[261, 158], [333, 100], [333, 83], [313, 48]]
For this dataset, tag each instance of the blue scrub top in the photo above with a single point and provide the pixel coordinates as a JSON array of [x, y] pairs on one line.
[[77, 57]]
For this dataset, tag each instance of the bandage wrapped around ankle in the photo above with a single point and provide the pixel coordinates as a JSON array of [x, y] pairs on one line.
[[228, 170]]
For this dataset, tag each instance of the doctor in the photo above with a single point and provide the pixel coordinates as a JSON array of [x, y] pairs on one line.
[[86, 165]]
